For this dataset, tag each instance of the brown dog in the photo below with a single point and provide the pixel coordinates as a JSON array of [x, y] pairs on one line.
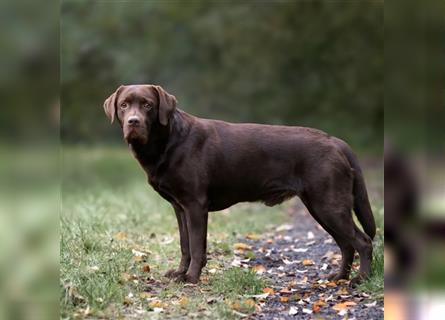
[[202, 165]]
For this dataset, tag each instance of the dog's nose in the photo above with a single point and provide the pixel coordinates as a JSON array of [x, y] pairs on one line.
[[133, 121]]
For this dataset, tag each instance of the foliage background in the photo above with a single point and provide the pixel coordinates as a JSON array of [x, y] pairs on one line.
[[309, 63]]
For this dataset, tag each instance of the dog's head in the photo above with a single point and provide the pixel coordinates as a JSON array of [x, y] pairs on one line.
[[138, 108]]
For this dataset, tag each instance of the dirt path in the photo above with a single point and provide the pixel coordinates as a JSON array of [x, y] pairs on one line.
[[297, 259]]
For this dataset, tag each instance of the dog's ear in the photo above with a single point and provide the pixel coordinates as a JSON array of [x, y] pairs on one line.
[[167, 104], [110, 104]]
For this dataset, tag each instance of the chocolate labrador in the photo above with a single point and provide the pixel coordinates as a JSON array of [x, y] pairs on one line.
[[201, 165]]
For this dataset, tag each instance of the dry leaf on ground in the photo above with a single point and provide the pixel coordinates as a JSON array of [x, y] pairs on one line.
[[269, 291], [343, 305], [241, 246], [308, 262], [259, 269], [121, 236]]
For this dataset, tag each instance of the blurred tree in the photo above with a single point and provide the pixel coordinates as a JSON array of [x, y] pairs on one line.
[[305, 63]]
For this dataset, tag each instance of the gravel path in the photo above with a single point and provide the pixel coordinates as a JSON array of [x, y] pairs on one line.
[[296, 259]]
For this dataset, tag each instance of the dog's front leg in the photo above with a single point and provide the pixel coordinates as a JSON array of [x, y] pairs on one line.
[[184, 241], [196, 216]]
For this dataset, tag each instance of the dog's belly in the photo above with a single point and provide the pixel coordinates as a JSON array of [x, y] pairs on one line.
[[273, 193]]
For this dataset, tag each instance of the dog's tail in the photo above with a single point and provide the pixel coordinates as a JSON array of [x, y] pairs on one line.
[[362, 207]]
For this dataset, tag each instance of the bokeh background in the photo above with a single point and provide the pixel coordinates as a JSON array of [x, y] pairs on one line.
[[305, 63]]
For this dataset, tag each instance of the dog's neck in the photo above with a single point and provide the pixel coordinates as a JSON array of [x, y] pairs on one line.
[[152, 154]]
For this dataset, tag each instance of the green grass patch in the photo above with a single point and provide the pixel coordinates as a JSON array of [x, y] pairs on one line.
[[237, 282]]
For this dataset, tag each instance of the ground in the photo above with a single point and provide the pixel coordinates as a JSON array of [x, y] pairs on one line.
[[118, 237]]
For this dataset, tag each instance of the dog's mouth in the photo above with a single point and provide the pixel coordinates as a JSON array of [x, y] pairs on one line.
[[135, 134]]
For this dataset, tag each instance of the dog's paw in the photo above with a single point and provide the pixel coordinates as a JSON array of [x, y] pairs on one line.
[[335, 276], [180, 278], [173, 273], [356, 281], [185, 278]]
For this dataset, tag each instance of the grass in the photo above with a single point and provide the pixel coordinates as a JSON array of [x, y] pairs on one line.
[[114, 227], [375, 284]]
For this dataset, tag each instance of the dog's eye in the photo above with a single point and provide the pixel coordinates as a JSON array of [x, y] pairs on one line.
[[123, 105], [147, 106]]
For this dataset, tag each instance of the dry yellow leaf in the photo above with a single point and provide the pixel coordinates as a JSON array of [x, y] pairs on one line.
[[308, 262], [241, 246], [253, 236], [317, 305], [249, 302], [260, 269], [331, 284], [156, 304], [284, 299], [235, 305], [343, 305], [127, 301], [285, 290], [126, 276], [145, 295], [269, 291], [183, 301], [343, 291], [121, 236]]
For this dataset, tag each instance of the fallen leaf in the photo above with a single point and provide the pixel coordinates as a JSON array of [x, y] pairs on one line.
[[331, 284], [343, 305], [241, 246], [145, 295], [156, 304], [259, 296], [284, 227], [166, 240], [285, 290], [269, 291], [308, 262], [253, 236], [126, 277], [128, 301], [310, 235], [307, 311], [342, 291], [284, 299], [183, 301], [293, 311], [369, 305], [296, 297], [121, 236], [236, 262], [146, 268], [249, 302], [259, 269]]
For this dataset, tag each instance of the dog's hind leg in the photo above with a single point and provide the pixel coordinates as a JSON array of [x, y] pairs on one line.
[[347, 251]]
